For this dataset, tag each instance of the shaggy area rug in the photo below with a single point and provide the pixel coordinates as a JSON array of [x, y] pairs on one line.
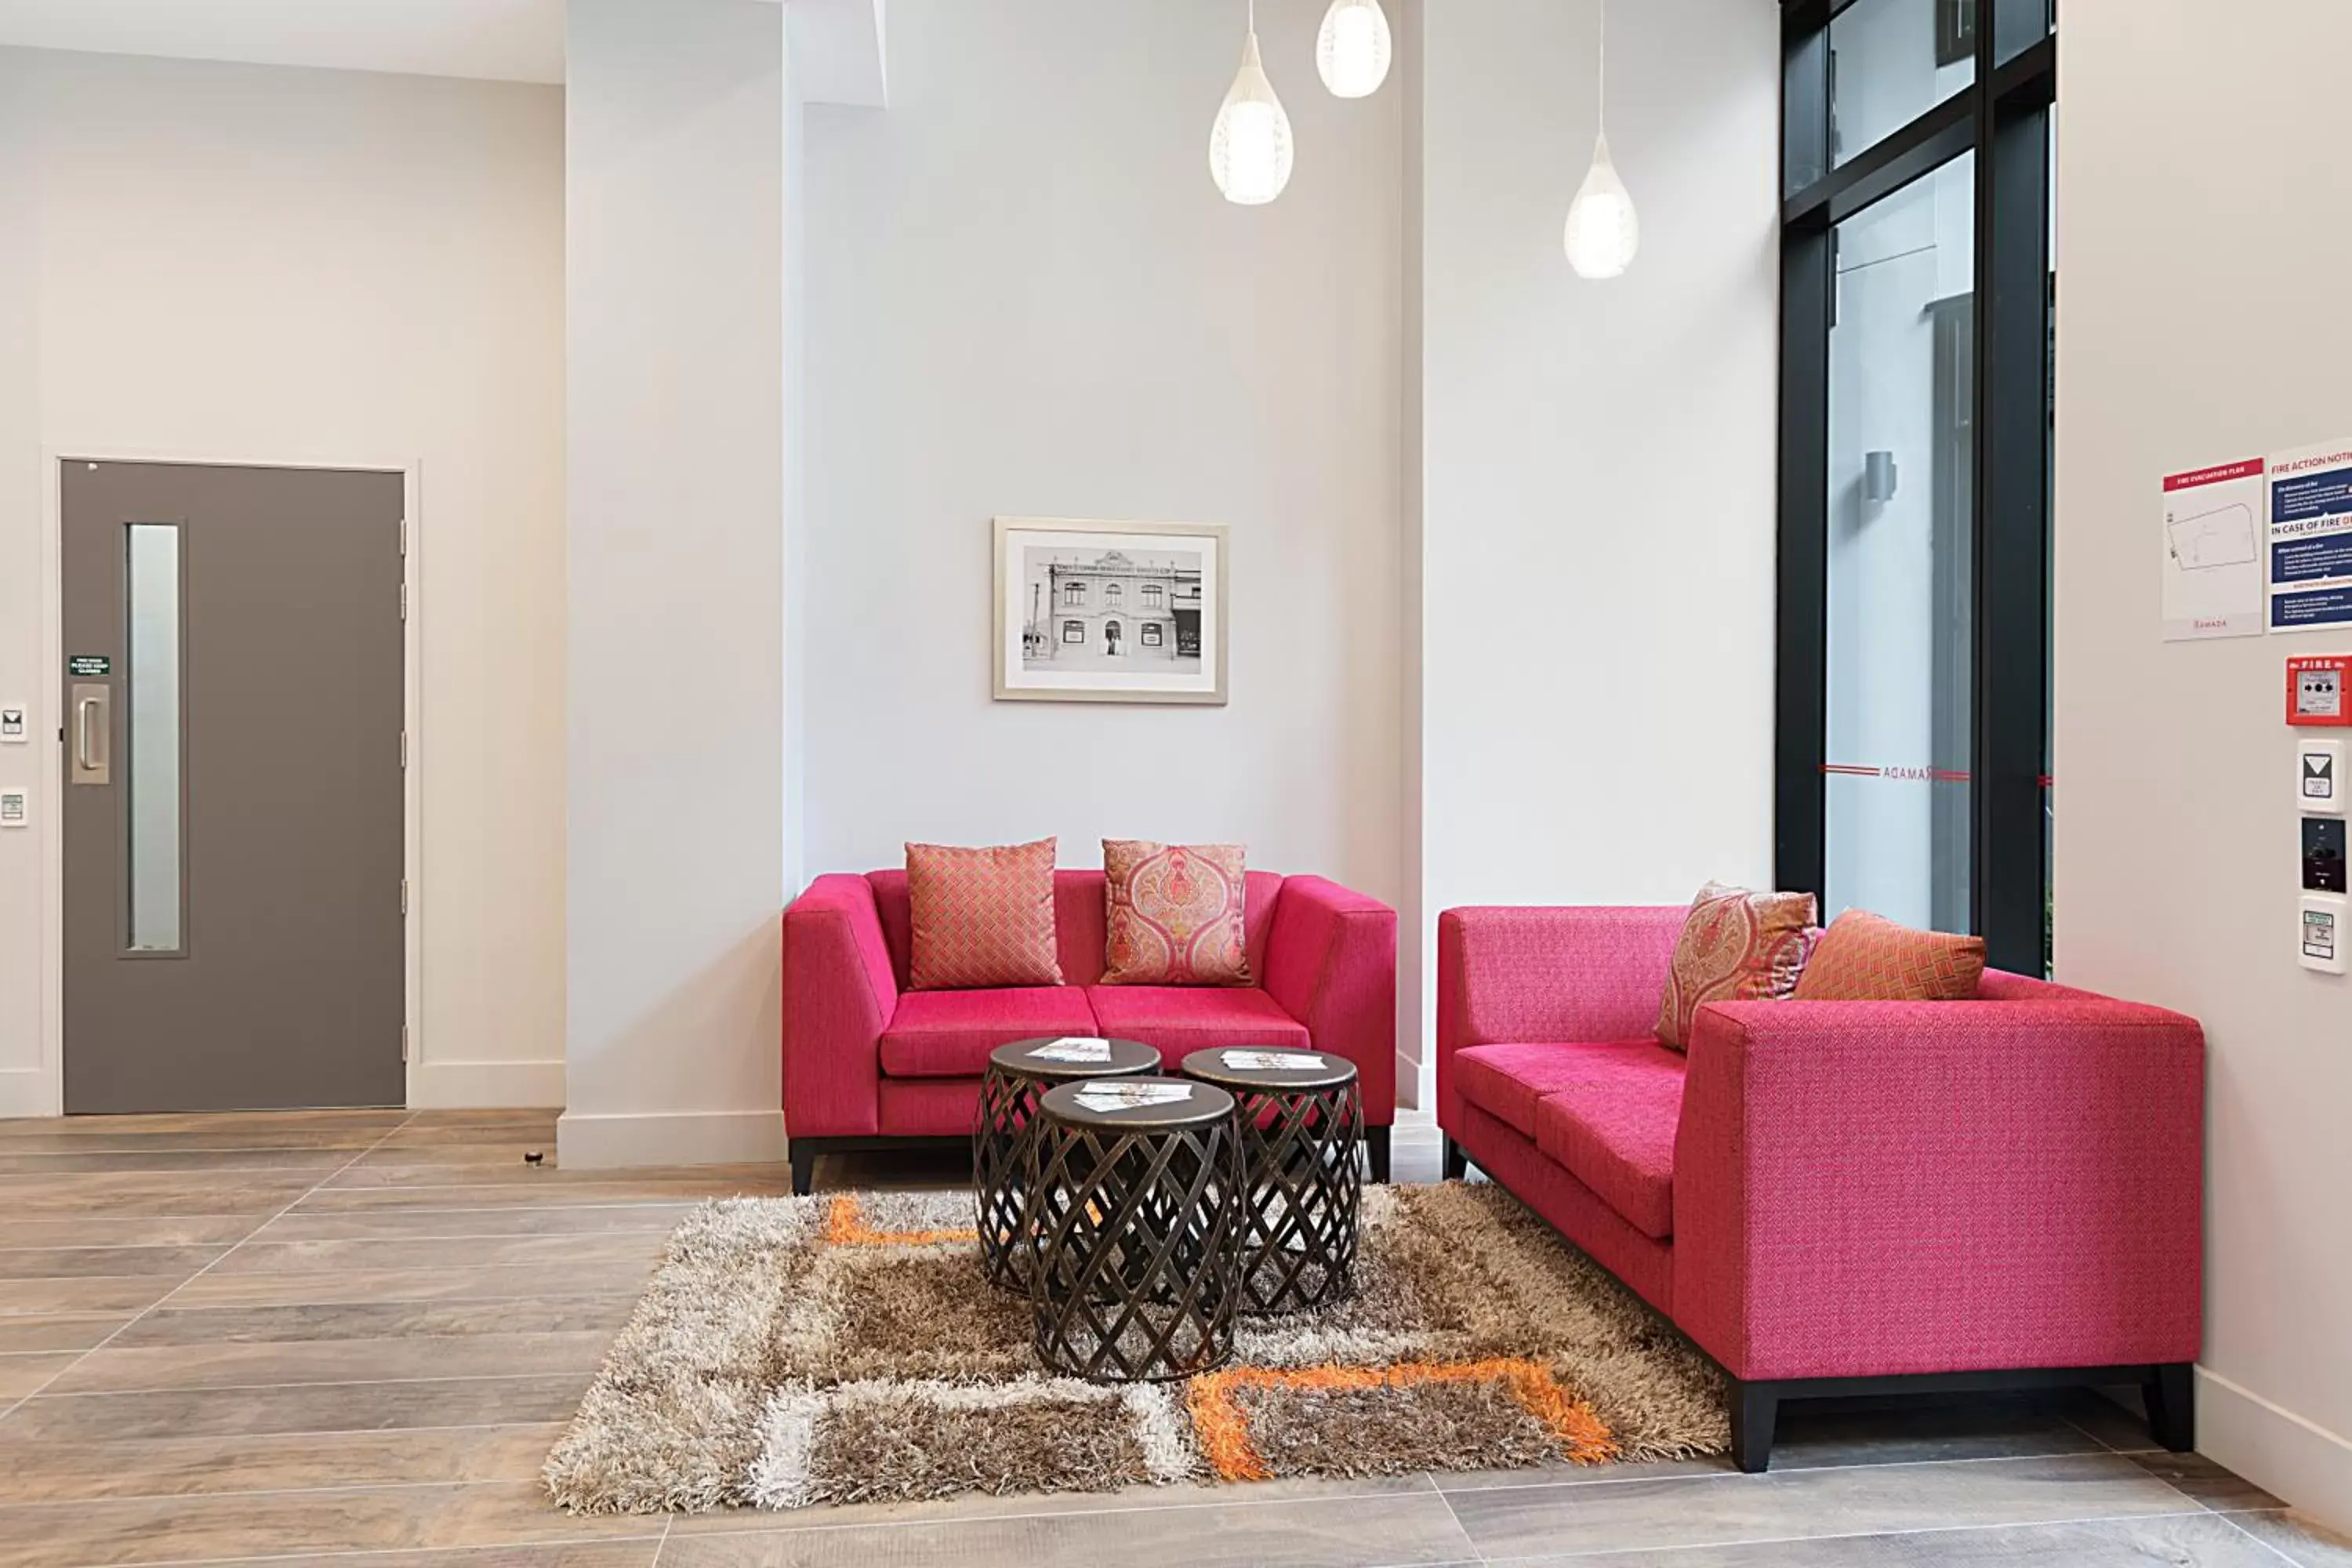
[[842, 1349]]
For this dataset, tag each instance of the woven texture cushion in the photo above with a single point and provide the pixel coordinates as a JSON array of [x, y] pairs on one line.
[[1736, 946], [1864, 957], [1173, 914], [982, 917]]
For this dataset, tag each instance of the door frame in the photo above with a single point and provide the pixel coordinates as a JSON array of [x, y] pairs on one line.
[[47, 1094]]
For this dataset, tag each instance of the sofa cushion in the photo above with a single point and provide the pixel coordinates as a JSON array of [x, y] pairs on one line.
[[948, 1034], [1180, 1018], [1506, 1081], [1079, 909], [1614, 1131], [1174, 914], [1736, 946], [1869, 958], [982, 917]]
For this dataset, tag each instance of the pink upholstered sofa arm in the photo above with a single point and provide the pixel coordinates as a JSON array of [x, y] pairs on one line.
[[839, 995], [1866, 1188], [1521, 975], [1330, 963]]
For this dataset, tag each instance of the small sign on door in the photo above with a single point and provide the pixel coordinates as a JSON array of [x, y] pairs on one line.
[[14, 811], [83, 666], [12, 725]]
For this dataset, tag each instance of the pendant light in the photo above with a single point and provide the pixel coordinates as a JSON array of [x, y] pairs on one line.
[[1249, 147], [1604, 231], [1352, 51]]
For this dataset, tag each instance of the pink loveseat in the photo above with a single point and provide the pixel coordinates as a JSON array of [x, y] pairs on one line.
[[869, 1064], [1840, 1197]]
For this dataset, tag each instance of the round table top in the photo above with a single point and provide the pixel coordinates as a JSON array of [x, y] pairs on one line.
[[1125, 1058], [1230, 1066], [1200, 1105]]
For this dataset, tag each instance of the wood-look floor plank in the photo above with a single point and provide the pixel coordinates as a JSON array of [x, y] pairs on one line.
[[627, 1551], [85, 1262], [715, 1179], [298, 1407], [176, 1467], [350, 1141], [176, 1325], [49, 1297], [404, 1224], [25, 1332], [1528, 1521], [263, 1255], [40, 1161], [514, 1283], [102, 1534], [59, 1194], [114, 1371], [2305, 1542], [26, 1371], [134, 1230], [609, 1187], [1350, 1533], [538, 1132], [2184, 1541], [210, 1123]]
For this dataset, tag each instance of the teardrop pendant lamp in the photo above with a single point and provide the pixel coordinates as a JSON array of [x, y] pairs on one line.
[[1352, 51], [1249, 147], [1604, 231]]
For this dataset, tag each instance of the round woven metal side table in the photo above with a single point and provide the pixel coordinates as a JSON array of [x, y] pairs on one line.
[[1129, 1219], [1006, 1122], [1300, 1118]]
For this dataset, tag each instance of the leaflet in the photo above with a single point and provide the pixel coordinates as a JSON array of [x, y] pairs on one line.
[[1102, 1096], [1072, 1049], [1273, 1061]]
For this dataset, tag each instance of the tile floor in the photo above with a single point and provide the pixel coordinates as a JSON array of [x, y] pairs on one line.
[[350, 1338]]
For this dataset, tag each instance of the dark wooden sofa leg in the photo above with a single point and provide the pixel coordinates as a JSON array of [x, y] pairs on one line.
[[1755, 1406], [2171, 1397], [804, 1166], [1457, 1161], [1376, 1144]]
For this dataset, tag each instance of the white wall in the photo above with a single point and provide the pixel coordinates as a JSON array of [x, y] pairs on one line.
[[1597, 548], [2201, 319], [252, 262], [677, 114], [1026, 297]]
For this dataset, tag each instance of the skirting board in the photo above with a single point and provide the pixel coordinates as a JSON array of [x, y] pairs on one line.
[[486, 1086], [24, 1091], [2306, 1465], [587, 1142]]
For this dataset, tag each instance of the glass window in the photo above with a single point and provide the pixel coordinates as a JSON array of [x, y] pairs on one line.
[[1893, 60], [1901, 556], [152, 583], [1074, 631], [1113, 594], [1152, 595], [1076, 593], [1151, 635]]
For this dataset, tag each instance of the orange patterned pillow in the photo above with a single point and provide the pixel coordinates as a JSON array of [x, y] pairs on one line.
[[1736, 946], [1174, 914], [982, 917], [1864, 957]]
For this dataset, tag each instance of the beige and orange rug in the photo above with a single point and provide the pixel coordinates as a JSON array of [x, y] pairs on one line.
[[842, 1349]]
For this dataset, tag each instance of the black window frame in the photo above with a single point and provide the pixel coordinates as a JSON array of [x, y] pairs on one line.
[[2004, 117], [1070, 628]]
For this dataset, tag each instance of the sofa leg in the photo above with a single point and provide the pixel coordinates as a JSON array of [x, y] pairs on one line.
[[1755, 1407], [1376, 1145], [803, 1167], [1457, 1161], [2171, 1397]]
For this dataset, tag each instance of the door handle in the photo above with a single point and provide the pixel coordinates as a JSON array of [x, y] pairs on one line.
[[86, 754], [93, 739]]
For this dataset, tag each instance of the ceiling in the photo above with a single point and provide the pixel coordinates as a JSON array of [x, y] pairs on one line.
[[500, 40], [836, 44]]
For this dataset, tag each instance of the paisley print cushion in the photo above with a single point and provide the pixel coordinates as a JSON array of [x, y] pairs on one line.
[[1174, 914], [1736, 946]]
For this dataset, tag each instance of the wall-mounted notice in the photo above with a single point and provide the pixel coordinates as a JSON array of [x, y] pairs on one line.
[[2213, 552], [2310, 546]]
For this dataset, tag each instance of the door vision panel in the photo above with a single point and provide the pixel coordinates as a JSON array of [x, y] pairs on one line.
[[233, 803]]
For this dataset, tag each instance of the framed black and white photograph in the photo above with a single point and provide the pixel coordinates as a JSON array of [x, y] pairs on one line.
[[1109, 611]]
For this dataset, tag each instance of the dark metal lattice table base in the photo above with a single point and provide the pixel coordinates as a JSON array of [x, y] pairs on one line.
[[1131, 1225], [1003, 1127], [1295, 1237]]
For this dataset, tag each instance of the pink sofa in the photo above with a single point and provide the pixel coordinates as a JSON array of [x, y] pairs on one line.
[[1841, 1197], [869, 1064]]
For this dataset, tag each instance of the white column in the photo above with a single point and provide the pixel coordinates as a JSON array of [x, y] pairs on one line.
[[675, 188]]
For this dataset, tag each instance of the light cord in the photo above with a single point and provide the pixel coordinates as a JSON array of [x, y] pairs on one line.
[[1602, 113]]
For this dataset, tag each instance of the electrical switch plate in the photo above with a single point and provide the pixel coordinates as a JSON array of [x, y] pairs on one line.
[[16, 808], [2323, 933], [2319, 777], [2323, 854], [13, 724]]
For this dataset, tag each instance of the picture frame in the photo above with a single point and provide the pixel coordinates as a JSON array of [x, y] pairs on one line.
[[1110, 612]]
